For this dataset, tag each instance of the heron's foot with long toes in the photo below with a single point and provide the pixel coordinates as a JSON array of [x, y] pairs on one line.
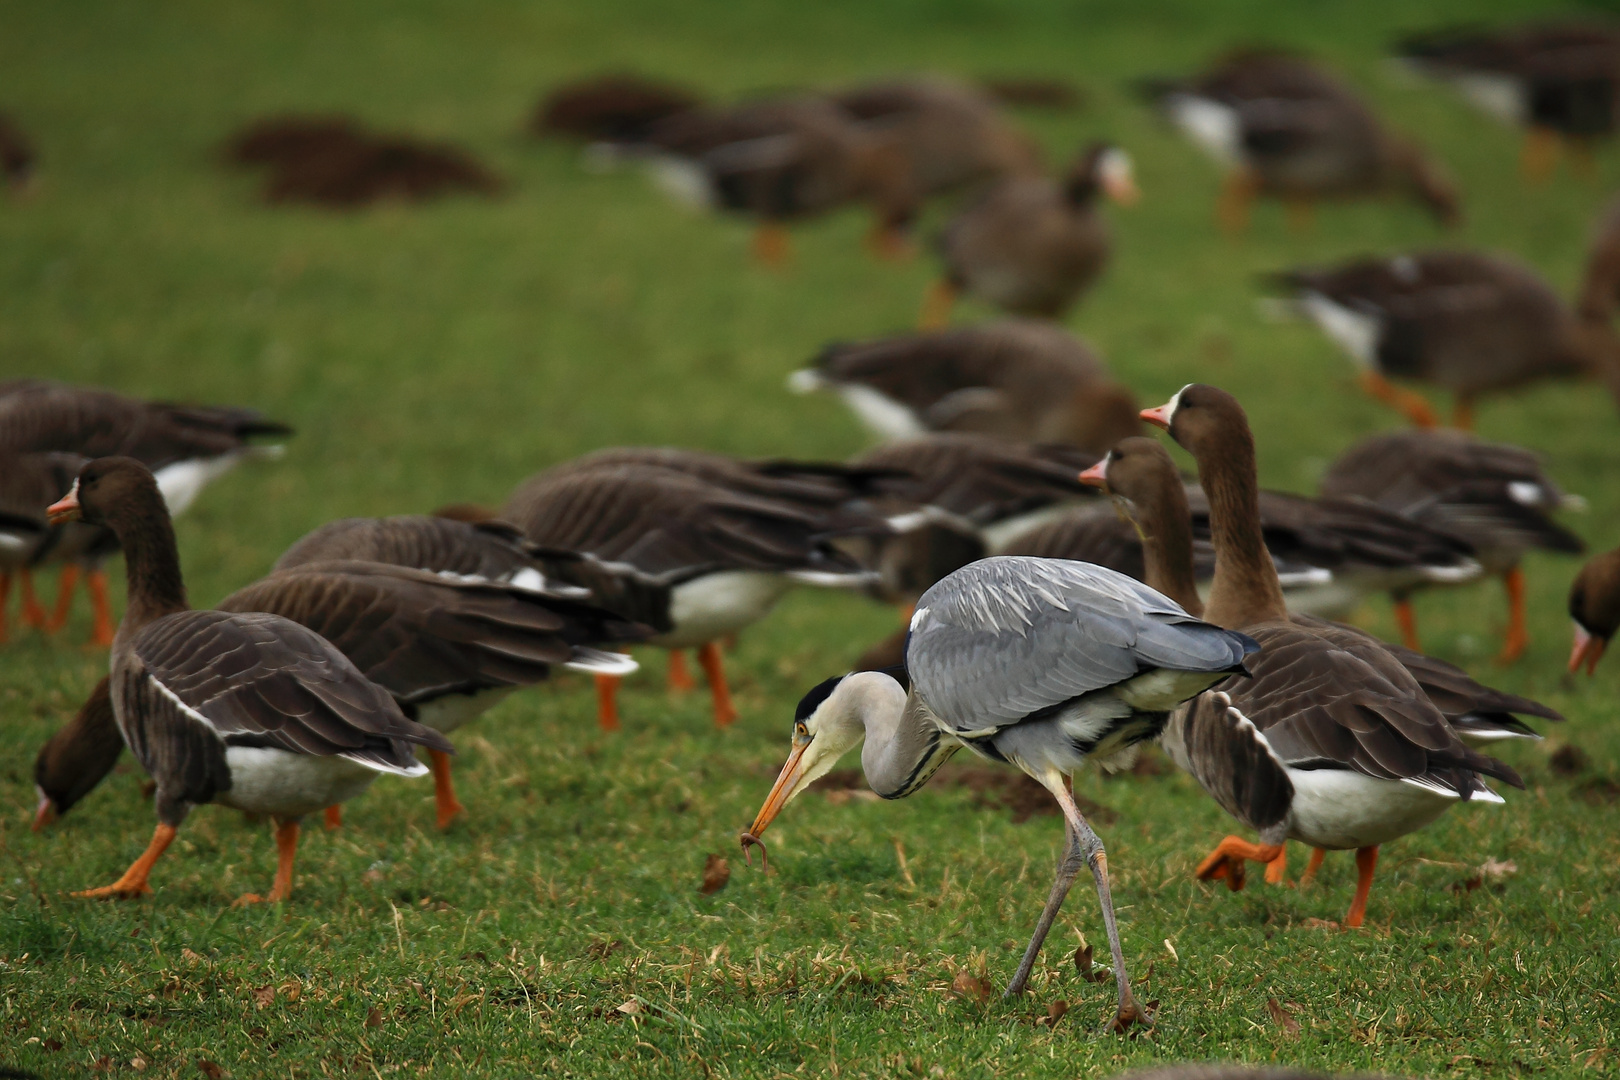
[[1131, 1013], [1227, 861]]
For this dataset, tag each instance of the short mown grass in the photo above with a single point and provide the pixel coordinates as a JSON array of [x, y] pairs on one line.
[[441, 353]]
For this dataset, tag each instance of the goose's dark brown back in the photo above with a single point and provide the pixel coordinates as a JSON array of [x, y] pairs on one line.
[[979, 478], [493, 549]]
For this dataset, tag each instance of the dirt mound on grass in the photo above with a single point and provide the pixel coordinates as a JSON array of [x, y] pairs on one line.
[[609, 108]]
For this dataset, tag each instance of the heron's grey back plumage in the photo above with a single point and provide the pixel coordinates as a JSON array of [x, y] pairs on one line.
[[1008, 636]]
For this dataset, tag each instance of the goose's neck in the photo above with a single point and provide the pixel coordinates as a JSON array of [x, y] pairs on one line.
[[1164, 525], [151, 562], [1245, 590]]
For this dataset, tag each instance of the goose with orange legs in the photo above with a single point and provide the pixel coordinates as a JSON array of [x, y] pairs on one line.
[[1332, 741], [1594, 609], [251, 711]]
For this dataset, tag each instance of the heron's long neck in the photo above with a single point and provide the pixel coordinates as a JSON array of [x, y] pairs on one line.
[[903, 746]]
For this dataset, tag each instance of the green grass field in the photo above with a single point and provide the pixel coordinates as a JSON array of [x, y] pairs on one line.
[[444, 352]]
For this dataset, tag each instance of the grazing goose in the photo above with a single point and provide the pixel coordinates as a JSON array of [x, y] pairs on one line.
[[490, 550], [250, 711], [1464, 322], [1282, 127], [29, 482], [1150, 495], [1559, 80], [1029, 245], [951, 135], [1594, 608], [1332, 741], [1036, 663], [727, 555], [1494, 496], [186, 446], [18, 158], [780, 161], [78, 757], [1015, 378]]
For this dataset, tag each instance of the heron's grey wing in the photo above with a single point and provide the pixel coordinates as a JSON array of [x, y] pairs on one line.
[[1008, 636]]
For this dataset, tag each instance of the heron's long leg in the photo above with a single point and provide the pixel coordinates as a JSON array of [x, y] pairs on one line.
[[1068, 868]]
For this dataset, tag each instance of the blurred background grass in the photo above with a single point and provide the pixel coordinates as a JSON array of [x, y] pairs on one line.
[[441, 353]]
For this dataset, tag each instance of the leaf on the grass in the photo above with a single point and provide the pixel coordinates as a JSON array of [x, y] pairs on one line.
[[1466, 885], [102, 1064], [191, 957], [1282, 1017], [292, 990], [138, 1063], [374, 1018], [1082, 964], [1495, 872], [970, 986], [716, 872], [1314, 923], [264, 996], [53, 1045], [630, 1008], [1054, 1013], [209, 1069]]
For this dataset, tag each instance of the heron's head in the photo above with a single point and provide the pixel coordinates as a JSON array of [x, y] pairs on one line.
[[826, 725]]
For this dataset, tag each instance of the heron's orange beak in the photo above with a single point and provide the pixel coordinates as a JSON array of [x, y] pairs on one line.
[[787, 783], [1587, 651], [65, 509], [1159, 417], [1096, 476]]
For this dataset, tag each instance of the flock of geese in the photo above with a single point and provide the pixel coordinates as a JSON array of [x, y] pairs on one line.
[[1069, 594]]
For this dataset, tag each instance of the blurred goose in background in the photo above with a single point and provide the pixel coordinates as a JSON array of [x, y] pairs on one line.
[[1594, 608], [1029, 245], [726, 553], [609, 112], [1600, 285], [951, 135], [1465, 322], [29, 482], [1283, 127], [18, 158], [185, 446], [1037, 663], [1151, 499], [1559, 80], [446, 647], [1494, 496], [252, 711], [1331, 741], [1017, 379], [781, 161]]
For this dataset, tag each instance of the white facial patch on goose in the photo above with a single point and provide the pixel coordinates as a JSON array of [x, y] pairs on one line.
[[1115, 169], [1355, 332], [1174, 404]]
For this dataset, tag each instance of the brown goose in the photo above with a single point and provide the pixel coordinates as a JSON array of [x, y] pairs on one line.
[[1594, 608], [1560, 80], [1332, 741], [1600, 286], [727, 555], [489, 550], [1494, 496], [1464, 322], [29, 483], [951, 135], [1150, 495], [185, 446], [78, 757], [1031, 246], [1015, 378], [781, 161], [1282, 127], [615, 109], [251, 711]]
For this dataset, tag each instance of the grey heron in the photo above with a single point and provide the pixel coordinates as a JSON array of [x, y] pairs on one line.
[[1042, 664]]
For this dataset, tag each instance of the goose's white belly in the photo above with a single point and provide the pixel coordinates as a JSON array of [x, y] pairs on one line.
[[715, 605], [277, 782], [446, 714], [1339, 809]]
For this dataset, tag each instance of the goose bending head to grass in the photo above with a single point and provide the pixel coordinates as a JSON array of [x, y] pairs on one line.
[[1041, 664], [1594, 609], [250, 710]]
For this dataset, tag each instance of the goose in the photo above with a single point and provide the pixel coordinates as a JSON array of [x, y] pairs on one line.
[[1283, 127], [1600, 284], [1462, 321], [488, 550], [1017, 379], [1150, 497], [784, 160], [1495, 496], [1332, 741], [186, 446], [250, 711], [727, 555], [1559, 80], [18, 158], [609, 111], [29, 482], [1031, 246], [952, 135], [1041, 664], [1594, 608], [446, 648]]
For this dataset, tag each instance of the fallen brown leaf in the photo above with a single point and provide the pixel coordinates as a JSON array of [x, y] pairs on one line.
[[716, 872], [192, 958], [102, 1064], [1082, 964], [209, 1069], [138, 1063], [1314, 923], [374, 1018], [1495, 872], [1054, 1013], [53, 1045], [1466, 885], [292, 990], [970, 986], [1280, 1016], [630, 1008], [264, 996]]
